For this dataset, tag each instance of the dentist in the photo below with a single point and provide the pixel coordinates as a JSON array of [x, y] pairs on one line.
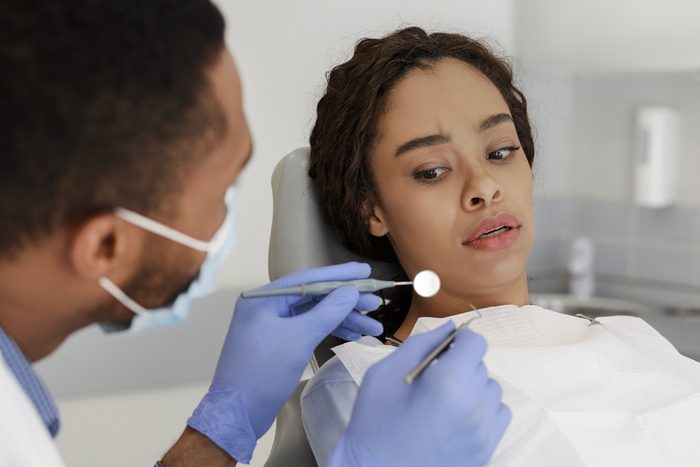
[[122, 133]]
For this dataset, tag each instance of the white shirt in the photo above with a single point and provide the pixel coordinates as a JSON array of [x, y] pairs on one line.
[[24, 440]]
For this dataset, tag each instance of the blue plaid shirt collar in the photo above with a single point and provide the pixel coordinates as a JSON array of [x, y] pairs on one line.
[[30, 382]]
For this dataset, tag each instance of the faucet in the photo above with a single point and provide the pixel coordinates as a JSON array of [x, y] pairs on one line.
[[580, 267]]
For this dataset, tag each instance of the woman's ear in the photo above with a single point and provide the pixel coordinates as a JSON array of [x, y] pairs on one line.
[[376, 218], [99, 246]]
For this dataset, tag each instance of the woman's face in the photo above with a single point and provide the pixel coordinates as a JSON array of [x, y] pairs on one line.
[[455, 188]]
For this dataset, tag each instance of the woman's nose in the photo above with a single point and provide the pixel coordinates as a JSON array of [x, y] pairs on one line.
[[481, 190]]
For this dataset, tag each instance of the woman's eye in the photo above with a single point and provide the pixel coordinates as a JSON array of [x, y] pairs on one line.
[[503, 154], [430, 175]]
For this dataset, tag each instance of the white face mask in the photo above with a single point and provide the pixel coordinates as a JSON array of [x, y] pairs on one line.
[[218, 249]]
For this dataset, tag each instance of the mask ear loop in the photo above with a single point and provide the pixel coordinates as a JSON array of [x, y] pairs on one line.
[[218, 241], [121, 297], [160, 229]]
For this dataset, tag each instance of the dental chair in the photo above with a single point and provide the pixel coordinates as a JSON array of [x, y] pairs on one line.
[[301, 239]]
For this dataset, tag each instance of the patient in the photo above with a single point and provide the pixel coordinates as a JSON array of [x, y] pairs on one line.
[[421, 154]]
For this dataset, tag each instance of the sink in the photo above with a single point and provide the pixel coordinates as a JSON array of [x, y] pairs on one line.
[[591, 307]]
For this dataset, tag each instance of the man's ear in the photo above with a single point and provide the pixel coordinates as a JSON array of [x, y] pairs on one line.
[[100, 246], [376, 219]]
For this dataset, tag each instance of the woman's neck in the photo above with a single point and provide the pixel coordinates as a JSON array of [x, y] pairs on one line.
[[445, 304]]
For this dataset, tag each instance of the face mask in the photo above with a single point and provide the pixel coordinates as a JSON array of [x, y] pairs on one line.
[[218, 250]]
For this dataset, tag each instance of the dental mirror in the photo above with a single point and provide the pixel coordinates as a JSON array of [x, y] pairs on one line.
[[426, 283]]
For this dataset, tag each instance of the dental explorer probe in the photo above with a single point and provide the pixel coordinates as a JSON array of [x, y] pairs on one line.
[[425, 283], [438, 350]]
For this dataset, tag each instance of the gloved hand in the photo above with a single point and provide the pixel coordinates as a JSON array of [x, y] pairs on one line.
[[451, 415], [269, 343]]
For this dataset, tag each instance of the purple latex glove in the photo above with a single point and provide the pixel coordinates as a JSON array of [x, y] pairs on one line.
[[452, 414], [269, 343]]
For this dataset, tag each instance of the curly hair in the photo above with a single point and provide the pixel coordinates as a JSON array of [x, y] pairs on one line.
[[346, 129]]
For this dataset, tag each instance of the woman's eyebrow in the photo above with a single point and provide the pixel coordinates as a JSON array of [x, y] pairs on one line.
[[434, 140], [492, 121], [424, 141]]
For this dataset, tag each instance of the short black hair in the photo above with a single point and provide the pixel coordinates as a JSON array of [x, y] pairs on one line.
[[103, 103]]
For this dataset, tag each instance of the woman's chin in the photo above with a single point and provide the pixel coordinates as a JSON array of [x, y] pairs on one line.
[[494, 280]]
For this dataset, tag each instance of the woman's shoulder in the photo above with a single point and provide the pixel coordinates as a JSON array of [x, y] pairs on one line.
[[333, 371], [333, 374]]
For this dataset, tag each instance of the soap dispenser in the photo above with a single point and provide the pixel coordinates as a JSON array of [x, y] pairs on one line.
[[657, 158]]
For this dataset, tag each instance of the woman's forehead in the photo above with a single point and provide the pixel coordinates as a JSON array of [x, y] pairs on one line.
[[447, 89]]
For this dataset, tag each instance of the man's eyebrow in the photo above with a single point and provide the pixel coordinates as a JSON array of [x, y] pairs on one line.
[[424, 141], [493, 120]]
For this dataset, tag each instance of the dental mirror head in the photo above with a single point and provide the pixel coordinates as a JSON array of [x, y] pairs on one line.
[[426, 283]]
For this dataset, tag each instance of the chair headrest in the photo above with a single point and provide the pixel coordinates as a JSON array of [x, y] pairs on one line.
[[300, 237]]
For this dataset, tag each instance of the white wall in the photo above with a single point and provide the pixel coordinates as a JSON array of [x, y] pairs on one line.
[[604, 35], [560, 40], [132, 428], [550, 108], [603, 143], [283, 50]]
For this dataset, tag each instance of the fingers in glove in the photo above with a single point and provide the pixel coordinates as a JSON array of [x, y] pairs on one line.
[[368, 302], [346, 334], [330, 312], [338, 272], [493, 398], [415, 349], [303, 305], [465, 353], [361, 324], [503, 418]]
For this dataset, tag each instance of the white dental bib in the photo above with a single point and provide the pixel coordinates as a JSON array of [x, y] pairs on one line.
[[610, 394]]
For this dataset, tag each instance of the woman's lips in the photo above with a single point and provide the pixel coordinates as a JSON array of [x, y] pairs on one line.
[[494, 233], [495, 242]]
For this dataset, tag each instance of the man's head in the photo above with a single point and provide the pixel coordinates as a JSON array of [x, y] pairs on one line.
[[113, 104]]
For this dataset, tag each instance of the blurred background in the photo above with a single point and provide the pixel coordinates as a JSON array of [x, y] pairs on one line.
[[614, 96]]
